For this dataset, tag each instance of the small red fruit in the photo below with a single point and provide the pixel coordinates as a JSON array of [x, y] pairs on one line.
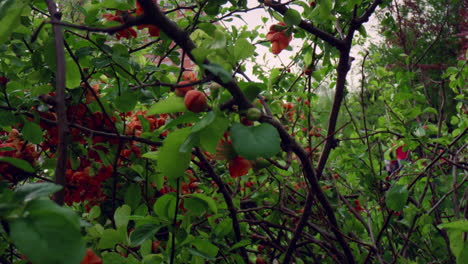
[[195, 101], [249, 184], [3, 80], [155, 246], [246, 122], [181, 91], [260, 260]]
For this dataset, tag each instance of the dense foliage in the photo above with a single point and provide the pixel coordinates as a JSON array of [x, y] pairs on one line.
[[150, 132]]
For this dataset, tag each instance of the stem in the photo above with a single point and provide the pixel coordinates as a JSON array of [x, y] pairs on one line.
[[62, 124], [174, 222]]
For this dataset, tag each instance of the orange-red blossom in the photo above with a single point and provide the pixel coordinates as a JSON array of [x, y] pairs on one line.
[[152, 29], [279, 37]]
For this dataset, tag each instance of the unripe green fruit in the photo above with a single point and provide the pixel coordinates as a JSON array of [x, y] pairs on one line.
[[254, 114]]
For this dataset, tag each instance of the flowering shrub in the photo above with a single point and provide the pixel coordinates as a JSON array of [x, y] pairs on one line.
[[181, 146]]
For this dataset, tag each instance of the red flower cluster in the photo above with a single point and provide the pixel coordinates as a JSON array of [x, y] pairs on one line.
[[357, 206], [279, 37], [14, 147], [124, 33], [85, 185], [289, 111], [134, 127], [130, 32], [152, 29], [239, 166]]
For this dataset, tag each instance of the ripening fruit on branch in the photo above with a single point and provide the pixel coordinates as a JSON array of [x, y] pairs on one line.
[[181, 91], [195, 101], [254, 114], [260, 260]]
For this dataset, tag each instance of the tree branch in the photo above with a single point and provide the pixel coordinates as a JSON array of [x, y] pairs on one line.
[[62, 124], [325, 36]]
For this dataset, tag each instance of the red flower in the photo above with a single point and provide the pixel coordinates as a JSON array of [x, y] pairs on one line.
[[152, 29], [239, 167], [124, 33], [91, 258], [278, 37], [189, 76], [401, 155]]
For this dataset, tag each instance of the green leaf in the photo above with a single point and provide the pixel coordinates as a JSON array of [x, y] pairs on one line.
[[171, 104], [126, 102], [206, 248], [110, 238], [255, 141], [292, 17], [73, 77], [165, 206], [219, 71], [171, 162], [208, 200], [152, 155], [7, 118], [19, 163], [456, 241], [195, 206], [210, 135], [207, 120], [396, 197], [462, 258], [186, 118], [219, 41], [32, 132], [461, 225], [190, 142], [142, 233], [10, 16], [32, 191], [133, 196], [48, 234], [251, 90], [121, 216], [243, 49], [223, 228], [241, 243]]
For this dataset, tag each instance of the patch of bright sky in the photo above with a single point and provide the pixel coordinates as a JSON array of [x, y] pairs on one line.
[[268, 61]]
